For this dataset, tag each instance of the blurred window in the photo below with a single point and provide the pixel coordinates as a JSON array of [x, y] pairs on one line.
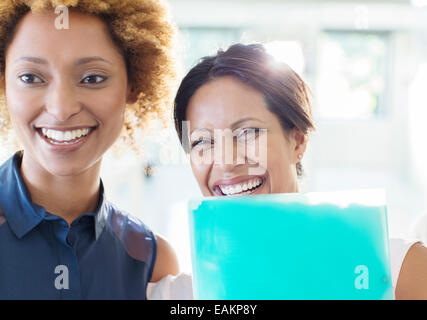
[[352, 75], [200, 42]]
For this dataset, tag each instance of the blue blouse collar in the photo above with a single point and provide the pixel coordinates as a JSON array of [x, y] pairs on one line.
[[21, 213]]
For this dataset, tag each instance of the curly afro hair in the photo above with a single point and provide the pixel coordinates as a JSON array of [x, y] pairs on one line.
[[142, 31]]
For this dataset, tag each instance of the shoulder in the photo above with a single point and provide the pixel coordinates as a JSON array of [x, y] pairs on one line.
[[398, 249], [137, 239], [139, 242], [166, 260], [412, 281]]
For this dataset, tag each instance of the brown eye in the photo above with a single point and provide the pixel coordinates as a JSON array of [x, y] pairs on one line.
[[30, 78], [248, 133], [94, 79], [198, 142]]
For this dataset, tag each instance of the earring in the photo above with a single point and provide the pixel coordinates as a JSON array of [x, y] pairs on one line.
[[300, 156]]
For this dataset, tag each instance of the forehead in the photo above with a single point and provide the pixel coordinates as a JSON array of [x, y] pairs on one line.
[[36, 34], [223, 101]]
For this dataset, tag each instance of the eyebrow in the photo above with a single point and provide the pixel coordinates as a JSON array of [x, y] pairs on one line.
[[32, 59], [200, 129], [90, 59], [77, 63], [235, 124]]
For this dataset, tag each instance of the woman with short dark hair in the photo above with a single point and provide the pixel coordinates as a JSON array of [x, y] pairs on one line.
[[243, 84], [243, 95]]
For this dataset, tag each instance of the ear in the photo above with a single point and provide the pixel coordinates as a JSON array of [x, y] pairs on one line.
[[300, 144], [132, 96]]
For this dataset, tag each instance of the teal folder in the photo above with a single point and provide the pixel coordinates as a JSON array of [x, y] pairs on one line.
[[330, 245]]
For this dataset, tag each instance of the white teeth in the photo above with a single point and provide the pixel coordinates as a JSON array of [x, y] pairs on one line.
[[59, 135], [64, 136], [241, 188]]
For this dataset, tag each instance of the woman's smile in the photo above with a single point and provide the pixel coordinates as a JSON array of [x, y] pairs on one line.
[[64, 140], [241, 185]]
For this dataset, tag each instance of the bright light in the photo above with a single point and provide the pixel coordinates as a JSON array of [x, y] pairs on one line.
[[289, 52], [179, 235], [419, 3], [417, 127]]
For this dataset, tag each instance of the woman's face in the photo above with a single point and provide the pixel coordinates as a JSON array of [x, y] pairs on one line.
[[66, 91], [225, 108]]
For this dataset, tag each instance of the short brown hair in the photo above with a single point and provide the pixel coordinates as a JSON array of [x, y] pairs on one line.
[[286, 94], [141, 30]]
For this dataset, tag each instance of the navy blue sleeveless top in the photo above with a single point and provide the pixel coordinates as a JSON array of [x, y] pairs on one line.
[[106, 254]]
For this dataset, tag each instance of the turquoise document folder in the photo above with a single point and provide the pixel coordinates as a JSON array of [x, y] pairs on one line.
[[331, 245]]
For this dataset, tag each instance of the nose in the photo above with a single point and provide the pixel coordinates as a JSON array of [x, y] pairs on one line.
[[227, 153], [61, 101]]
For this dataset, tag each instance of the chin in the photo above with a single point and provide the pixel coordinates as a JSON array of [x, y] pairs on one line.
[[65, 171], [68, 168]]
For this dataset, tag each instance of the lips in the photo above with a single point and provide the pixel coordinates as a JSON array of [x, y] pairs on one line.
[[243, 185], [66, 136], [62, 139]]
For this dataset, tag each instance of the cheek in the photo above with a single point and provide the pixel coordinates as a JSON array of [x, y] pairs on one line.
[[280, 166], [22, 107], [201, 173], [109, 107]]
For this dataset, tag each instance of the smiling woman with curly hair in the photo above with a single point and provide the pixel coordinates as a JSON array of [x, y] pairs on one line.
[[141, 33], [69, 94]]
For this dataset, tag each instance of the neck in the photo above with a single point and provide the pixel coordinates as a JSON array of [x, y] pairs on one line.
[[65, 196]]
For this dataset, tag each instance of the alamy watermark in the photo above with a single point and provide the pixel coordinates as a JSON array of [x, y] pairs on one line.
[[62, 21], [361, 17], [62, 280], [362, 280]]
